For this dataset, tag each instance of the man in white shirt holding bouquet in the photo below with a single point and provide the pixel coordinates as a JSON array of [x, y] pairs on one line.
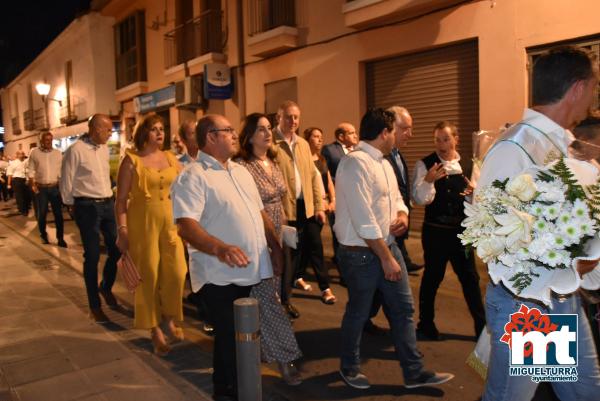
[[563, 85]]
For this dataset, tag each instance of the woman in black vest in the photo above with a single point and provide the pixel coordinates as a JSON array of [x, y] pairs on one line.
[[440, 185]]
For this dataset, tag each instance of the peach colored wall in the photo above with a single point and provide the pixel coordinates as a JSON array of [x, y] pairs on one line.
[[330, 81]]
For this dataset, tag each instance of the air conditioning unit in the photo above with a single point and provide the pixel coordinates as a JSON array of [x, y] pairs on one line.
[[68, 119], [188, 93]]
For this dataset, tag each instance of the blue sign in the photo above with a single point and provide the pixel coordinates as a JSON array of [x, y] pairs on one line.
[[154, 100], [217, 81]]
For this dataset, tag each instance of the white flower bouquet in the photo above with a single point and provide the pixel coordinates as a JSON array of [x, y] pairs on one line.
[[534, 224]]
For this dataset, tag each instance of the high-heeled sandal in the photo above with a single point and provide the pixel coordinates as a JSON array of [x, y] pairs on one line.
[[161, 348], [176, 334], [289, 373], [327, 297], [301, 284]]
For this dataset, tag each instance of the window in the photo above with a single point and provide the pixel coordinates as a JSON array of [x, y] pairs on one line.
[[265, 15], [130, 49], [591, 43], [194, 36], [278, 92]]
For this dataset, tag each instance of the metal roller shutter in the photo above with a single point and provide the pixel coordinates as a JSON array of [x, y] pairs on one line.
[[434, 85]]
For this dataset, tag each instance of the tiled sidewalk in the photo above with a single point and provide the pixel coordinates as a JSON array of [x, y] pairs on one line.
[[50, 350]]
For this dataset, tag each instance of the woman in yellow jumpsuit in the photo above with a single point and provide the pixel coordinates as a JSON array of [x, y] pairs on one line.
[[146, 230]]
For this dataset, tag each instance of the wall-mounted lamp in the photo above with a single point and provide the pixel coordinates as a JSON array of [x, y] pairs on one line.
[[43, 89]]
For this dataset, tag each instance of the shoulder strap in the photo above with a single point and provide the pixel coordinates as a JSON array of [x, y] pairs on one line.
[[513, 142], [545, 135]]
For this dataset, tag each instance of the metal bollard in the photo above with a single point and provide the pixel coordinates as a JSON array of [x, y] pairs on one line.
[[247, 346]]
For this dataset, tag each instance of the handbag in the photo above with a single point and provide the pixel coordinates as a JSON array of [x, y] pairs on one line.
[[480, 357], [129, 272]]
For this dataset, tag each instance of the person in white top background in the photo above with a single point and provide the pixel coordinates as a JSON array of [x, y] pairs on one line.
[[4, 178], [44, 175], [85, 186], [440, 185], [17, 180], [370, 213], [563, 86]]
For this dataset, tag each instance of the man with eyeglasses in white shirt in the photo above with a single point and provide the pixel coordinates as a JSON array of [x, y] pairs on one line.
[[220, 214], [85, 186], [44, 175]]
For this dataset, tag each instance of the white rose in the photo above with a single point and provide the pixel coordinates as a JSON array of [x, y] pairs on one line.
[[490, 248], [522, 186]]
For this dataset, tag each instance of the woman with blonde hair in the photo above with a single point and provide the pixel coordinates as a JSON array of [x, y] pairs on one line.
[[147, 232]]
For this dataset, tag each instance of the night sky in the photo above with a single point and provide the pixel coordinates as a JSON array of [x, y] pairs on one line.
[[28, 26]]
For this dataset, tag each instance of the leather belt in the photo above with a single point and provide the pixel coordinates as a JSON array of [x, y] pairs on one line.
[[55, 184], [357, 248], [97, 200]]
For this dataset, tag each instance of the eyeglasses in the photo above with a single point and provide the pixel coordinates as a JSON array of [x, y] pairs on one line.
[[227, 130]]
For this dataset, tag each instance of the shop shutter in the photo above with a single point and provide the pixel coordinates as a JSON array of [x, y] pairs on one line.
[[434, 85]]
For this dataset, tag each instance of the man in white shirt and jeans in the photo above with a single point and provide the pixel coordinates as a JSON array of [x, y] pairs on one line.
[[220, 214], [85, 185], [563, 87], [17, 180], [44, 175], [370, 213]]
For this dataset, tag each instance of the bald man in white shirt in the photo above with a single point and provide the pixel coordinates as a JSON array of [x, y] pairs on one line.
[[85, 185]]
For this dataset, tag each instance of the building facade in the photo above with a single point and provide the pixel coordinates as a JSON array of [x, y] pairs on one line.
[[465, 61], [79, 67]]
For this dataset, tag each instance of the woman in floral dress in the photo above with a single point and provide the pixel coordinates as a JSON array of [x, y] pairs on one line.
[[278, 343]]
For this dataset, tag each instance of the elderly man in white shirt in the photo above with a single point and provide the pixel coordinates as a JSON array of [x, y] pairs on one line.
[[44, 175], [370, 213], [85, 185], [17, 180], [220, 214], [564, 82]]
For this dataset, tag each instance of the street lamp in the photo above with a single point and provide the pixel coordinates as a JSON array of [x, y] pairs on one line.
[[43, 89]]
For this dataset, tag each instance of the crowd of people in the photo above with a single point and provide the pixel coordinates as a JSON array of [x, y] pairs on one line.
[[223, 211]]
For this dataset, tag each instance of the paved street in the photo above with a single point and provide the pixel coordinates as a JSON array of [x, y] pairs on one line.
[[50, 350]]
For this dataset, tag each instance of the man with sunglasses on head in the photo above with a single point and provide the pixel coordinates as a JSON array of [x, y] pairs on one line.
[[303, 197]]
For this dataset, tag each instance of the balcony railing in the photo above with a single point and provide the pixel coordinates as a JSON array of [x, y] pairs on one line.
[[127, 68], [202, 35], [265, 15], [16, 129], [28, 120]]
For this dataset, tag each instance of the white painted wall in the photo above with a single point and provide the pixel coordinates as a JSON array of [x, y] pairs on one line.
[[88, 43]]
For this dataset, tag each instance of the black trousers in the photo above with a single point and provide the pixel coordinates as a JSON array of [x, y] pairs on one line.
[[93, 218], [441, 245], [311, 252], [292, 256], [52, 195], [219, 300], [22, 194], [4, 188]]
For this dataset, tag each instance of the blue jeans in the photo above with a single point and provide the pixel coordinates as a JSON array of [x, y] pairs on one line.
[[500, 303], [52, 195], [363, 275], [94, 217]]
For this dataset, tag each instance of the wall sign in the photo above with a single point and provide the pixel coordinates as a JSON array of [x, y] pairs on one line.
[[217, 81]]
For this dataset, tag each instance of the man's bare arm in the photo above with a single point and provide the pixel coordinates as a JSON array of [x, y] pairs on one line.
[[199, 238]]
